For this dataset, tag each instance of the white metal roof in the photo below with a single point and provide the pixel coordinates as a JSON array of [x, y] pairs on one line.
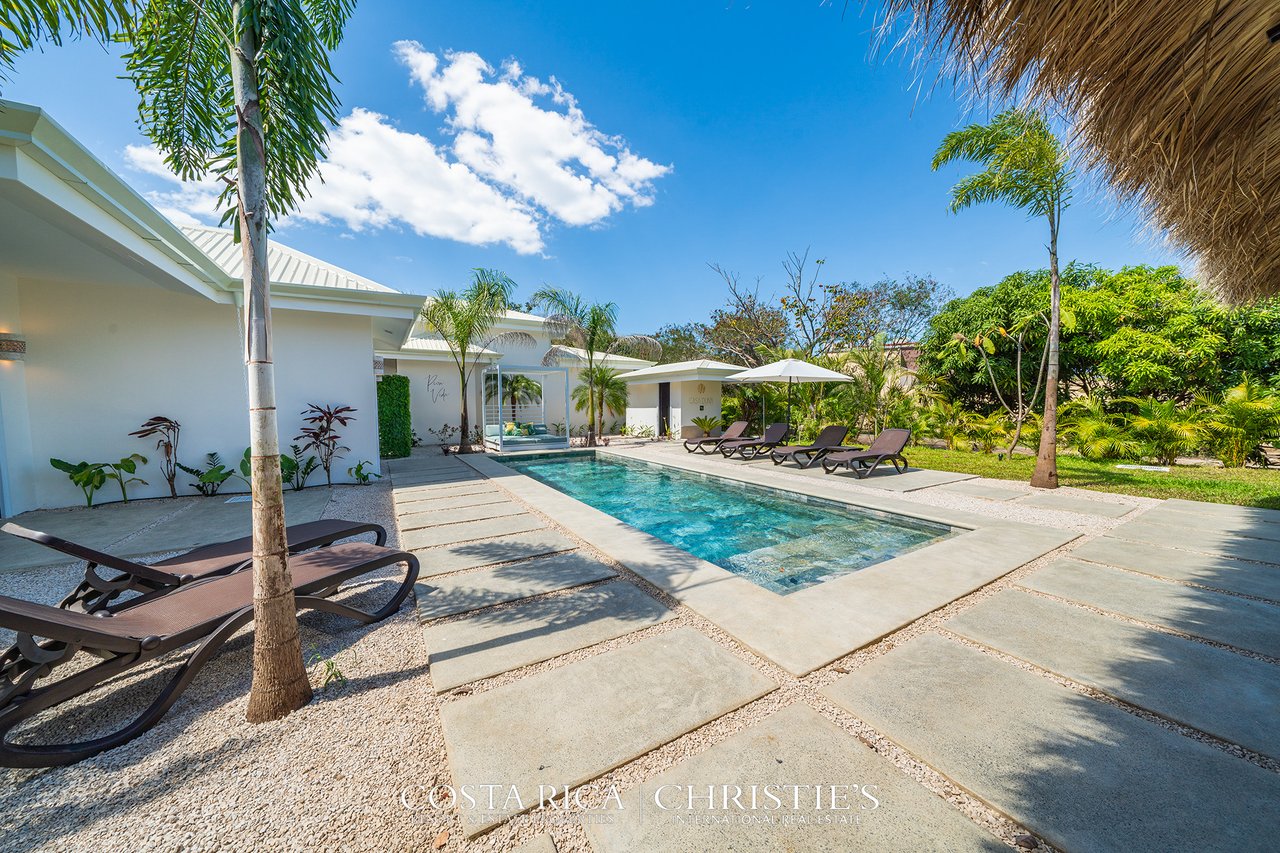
[[436, 345], [286, 265], [579, 354], [703, 368]]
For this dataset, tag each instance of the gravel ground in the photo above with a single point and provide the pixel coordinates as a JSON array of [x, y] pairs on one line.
[[331, 775]]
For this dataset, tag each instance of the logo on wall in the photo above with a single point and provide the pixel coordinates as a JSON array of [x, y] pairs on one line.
[[702, 388], [435, 387]]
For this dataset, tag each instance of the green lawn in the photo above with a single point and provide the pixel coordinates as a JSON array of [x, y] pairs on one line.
[[1244, 486]]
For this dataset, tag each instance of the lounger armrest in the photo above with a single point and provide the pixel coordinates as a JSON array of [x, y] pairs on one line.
[[82, 552]]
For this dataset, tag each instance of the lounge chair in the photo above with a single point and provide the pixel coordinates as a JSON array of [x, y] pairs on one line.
[[750, 448], [889, 445], [206, 612], [96, 593], [711, 443], [804, 455]]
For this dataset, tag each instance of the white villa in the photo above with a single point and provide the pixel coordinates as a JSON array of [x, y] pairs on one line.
[[111, 314]]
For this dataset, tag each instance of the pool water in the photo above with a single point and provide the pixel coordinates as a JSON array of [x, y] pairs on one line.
[[781, 541]]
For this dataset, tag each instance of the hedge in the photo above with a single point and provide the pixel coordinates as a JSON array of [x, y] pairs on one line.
[[395, 430]]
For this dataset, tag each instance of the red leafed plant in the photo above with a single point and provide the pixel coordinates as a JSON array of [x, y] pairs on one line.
[[168, 430], [321, 434]]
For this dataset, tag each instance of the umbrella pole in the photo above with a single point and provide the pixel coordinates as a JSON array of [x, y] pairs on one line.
[[789, 380]]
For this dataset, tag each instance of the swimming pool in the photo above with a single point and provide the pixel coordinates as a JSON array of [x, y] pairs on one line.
[[782, 541]]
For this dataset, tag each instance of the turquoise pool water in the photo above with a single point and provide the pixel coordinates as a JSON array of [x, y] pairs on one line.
[[779, 540]]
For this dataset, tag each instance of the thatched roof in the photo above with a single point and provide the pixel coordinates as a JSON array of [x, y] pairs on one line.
[[1177, 104]]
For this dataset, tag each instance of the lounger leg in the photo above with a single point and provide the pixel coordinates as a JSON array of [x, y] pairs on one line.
[[316, 602], [23, 708]]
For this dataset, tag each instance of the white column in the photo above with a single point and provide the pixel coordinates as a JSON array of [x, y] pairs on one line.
[[17, 471]]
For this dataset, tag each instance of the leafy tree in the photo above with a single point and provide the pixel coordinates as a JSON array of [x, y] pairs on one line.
[[591, 327], [879, 386], [682, 342], [1025, 166], [746, 324], [465, 320]]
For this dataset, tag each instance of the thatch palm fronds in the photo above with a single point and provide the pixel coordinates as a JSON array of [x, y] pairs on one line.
[[1174, 106], [1024, 165], [593, 328], [465, 320]]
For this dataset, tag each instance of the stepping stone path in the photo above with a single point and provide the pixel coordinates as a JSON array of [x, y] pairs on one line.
[[1070, 503], [474, 590], [798, 747], [1215, 616], [1256, 579], [1193, 683], [493, 642], [1082, 774], [979, 489], [486, 552], [568, 725]]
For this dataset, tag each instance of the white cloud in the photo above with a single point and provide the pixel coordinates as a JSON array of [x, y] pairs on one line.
[[184, 202], [531, 137], [518, 154]]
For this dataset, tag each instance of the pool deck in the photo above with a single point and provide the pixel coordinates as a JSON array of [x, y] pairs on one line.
[[1051, 673]]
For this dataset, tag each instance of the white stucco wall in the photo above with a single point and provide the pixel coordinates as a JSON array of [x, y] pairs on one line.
[[102, 359], [689, 399]]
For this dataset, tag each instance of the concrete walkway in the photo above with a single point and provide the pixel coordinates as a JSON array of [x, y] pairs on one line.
[[1115, 693]]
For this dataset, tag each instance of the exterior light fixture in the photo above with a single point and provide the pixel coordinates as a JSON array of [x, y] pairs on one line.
[[12, 347]]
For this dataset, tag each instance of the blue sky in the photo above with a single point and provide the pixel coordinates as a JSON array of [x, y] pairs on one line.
[[626, 148]]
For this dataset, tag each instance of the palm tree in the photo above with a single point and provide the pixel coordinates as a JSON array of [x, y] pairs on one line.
[[593, 328], [464, 321], [227, 89], [879, 387], [609, 392], [516, 390], [1027, 167]]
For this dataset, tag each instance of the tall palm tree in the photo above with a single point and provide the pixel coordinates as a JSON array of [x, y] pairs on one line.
[[516, 389], [241, 89], [464, 320], [593, 328], [600, 389], [1025, 166]]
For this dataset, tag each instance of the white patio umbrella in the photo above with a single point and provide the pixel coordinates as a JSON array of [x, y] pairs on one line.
[[789, 370]]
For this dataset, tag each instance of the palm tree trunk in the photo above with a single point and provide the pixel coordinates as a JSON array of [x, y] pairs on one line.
[[591, 402], [464, 440], [280, 683], [1046, 473]]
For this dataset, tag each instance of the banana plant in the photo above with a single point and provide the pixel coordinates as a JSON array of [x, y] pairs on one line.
[[122, 472], [88, 476]]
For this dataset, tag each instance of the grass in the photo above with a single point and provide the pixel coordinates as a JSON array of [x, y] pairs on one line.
[[1258, 487]]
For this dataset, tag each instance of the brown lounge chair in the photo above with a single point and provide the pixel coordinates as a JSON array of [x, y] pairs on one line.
[[889, 445], [206, 612], [711, 443], [804, 455], [96, 593], [750, 448]]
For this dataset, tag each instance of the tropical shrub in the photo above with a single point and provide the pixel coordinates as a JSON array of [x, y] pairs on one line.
[[1165, 429], [122, 472], [297, 467], [210, 478], [167, 430], [358, 473], [321, 434], [706, 424], [87, 476], [1096, 433], [1240, 420], [987, 431], [395, 431]]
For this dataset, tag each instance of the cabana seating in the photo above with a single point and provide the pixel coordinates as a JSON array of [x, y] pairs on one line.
[[804, 455], [711, 443], [96, 593], [888, 445], [207, 613]]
